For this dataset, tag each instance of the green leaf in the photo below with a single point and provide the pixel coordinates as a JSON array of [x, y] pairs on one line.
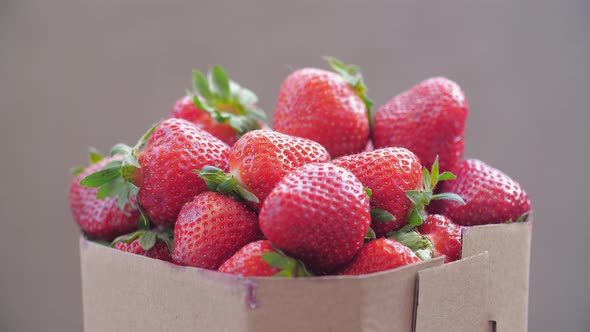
[[435, 173], [94, 156], [101, 177], [112, 188], [246, 97], [147, 240], [128, 173], [449, 196], [121, 149], [424, 254], [130, 160], [227, 186], [415, 219], [144, 221], [220, 83], [114, 163], [380, 215], [427, 178], [201, 86], [211, 169], [415, 196], [279, 261], [284, 273], [144, 139], [245, 194], [370, 235], [369, 192], [122, 201], [444, 176], [77, 170]]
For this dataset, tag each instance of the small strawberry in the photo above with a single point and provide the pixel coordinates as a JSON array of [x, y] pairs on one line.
[[146, 243], [379, 255], [429, 120], [444, 235], [327, 107], [318, 213], [491, 196], [211, 228], [388, 173], [259, 160], [220, 106], [261, 259], [98, 215]]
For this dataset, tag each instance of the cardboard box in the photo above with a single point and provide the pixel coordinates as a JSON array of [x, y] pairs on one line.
[[487, 290]]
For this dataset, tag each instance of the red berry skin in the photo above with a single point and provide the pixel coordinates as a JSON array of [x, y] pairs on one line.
[[429, 120], [186, 109], [380, 255], [320, 105], [210, 229], [261, 158], [388, 172], [491, 196], [100, 218], [158, 251], [248, 261], [318, 213], [444, 235], [166, 178]]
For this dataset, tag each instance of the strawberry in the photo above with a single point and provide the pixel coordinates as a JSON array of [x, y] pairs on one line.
[[379, 255], [220, 106], [210, 229], [429, 119], [146, 243], [99, 216], [388, 173], [166, 179], [491, 196], [261, 259], [260, 159], [327, 107], [318, 213], [444, 235]]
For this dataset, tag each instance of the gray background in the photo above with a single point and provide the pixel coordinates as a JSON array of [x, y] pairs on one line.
[[75, 74]]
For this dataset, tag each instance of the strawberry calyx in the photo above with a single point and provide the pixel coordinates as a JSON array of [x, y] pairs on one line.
[[117, 178], [147, 238], [422, 197], [352, 75], [226, 101], [377, 214], [420, 244], [224, 183], [288, 266], [93, 155], [522, 218]]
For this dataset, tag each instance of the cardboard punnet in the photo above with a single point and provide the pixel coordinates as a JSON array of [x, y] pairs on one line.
[[126, 292]]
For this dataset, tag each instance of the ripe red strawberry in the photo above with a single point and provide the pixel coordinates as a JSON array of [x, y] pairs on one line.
[[101, 218], [261, 259], [186, 109], [318, 213], [210, 229], [380, 255], [261, 158], [146, 243], [166, 179], [388, 173], [429, 120], [327, 107], [221, 106], [491, 196], [444, 235]]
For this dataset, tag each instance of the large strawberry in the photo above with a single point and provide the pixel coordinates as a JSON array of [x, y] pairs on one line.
[[327, 107], [260, 159], [491, 196], [444, 235], [318, 213], [429, 119], [98, 215], [388, 173], [220, 106], [148, 243], [261, 259], [379, 255], [211, 228]]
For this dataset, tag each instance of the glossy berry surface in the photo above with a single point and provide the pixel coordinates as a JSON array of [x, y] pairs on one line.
[[380, 255], [158, 251], [318, 213], [248, 261], [211, 228], [444, 235]]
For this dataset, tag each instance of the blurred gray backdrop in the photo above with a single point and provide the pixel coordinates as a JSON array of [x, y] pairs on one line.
[[75, 74]]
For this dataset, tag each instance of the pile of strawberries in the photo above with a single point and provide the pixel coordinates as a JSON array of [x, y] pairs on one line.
[[333, 189]]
